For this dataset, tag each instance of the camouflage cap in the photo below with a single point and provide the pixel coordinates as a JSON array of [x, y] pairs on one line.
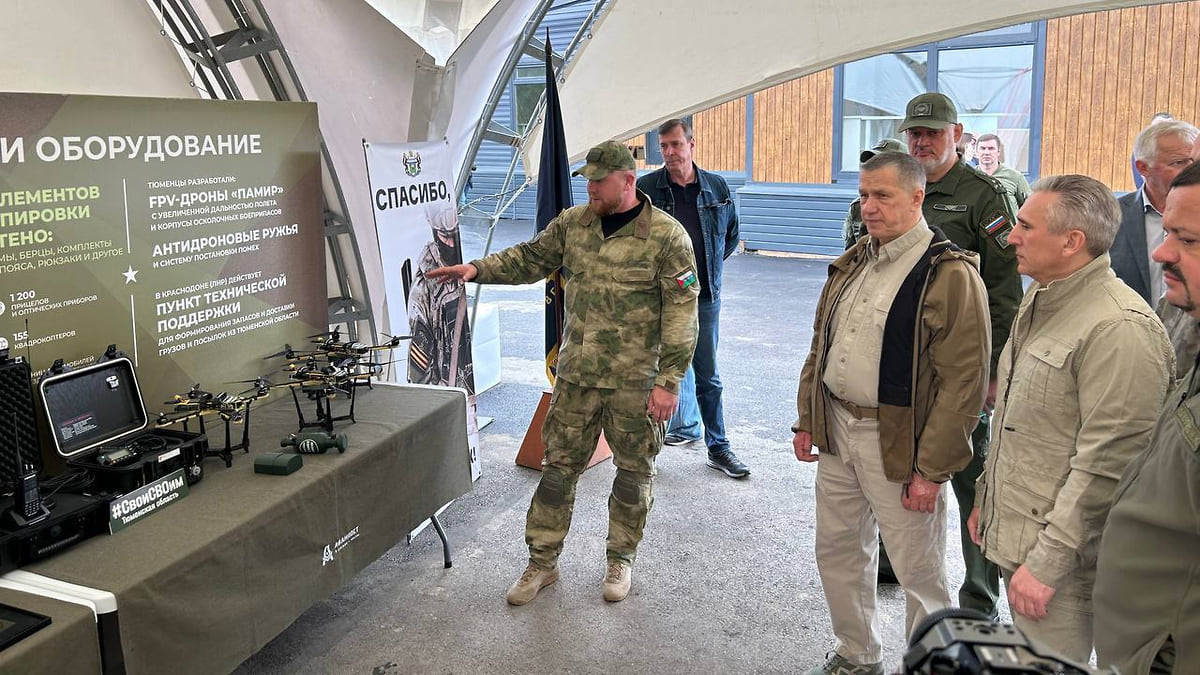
[[604, 159], [886, 145], [929, 111]]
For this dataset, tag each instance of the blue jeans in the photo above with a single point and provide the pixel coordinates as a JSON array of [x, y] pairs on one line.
[[700, 389]]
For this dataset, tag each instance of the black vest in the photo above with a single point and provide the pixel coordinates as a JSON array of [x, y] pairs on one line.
[[900, 330]]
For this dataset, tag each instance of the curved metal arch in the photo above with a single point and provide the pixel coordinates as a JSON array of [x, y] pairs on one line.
[[208, 57]]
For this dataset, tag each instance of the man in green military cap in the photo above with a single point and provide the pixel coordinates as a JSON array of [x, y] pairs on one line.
[[853, 227], [977, 212], [630, 290]]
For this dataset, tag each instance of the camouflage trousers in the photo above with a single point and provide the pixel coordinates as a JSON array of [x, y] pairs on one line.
[[571, 430]]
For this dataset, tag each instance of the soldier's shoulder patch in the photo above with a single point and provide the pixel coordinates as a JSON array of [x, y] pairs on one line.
[[997, 226], [686, 279]]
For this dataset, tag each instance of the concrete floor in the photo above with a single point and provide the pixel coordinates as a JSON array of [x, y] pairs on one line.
[[725, 580]]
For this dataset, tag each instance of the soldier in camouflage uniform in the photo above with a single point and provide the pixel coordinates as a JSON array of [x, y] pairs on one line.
[[630, 290], [977, 212], [439, 352]]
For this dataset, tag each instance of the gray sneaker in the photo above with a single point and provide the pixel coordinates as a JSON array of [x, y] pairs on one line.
[[532, 580], [617, 580], [836, 665]]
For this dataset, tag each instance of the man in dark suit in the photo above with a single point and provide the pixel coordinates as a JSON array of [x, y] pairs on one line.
[[1161, 150]]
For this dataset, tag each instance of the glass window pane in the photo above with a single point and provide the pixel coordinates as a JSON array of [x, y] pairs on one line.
[[528, 96], [993, 89], [531, 72], [874, 94], [1019, 29]]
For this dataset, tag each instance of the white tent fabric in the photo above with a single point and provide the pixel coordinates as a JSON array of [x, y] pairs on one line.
[[437, 25], [470, 74], [650, 61]]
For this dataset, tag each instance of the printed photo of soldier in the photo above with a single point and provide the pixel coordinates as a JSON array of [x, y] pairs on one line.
[[440, 350]]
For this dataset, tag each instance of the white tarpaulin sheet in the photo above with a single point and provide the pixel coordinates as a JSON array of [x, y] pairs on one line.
[[648, 61]]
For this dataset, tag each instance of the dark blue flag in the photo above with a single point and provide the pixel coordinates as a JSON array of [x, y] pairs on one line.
[[553, 195]]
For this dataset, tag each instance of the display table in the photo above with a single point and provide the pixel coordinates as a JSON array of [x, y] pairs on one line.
[[68, 645], [205, 583]]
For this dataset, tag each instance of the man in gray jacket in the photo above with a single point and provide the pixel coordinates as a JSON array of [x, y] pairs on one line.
[[1082, 376]]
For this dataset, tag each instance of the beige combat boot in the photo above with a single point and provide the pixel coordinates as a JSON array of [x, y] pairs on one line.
[[617, 581], [532, 580]]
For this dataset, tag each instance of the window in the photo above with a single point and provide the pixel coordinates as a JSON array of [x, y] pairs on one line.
[[528, 95], [994, 79]]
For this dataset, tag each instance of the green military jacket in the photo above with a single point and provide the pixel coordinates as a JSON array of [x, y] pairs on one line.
[[977, 212], [1016, 179], [630, 299], [852, 228]]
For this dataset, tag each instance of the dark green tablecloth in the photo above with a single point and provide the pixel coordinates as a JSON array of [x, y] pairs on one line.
[[206, 582], [68, 645]]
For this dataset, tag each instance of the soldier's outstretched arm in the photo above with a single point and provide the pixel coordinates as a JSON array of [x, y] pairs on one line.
[[464, 272]]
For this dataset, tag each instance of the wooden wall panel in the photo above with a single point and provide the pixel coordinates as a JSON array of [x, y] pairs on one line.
[[720, 134], [1106, 74], [793, 131]]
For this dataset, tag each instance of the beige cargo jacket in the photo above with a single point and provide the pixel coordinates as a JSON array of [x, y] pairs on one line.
[[1081, 380]]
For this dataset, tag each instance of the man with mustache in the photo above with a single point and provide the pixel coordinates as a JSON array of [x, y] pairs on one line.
[[1146, 596]]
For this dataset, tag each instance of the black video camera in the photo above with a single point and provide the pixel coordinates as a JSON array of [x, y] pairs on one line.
[[958, 641]]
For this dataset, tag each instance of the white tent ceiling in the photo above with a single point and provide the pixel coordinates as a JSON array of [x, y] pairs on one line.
[[651, 60]]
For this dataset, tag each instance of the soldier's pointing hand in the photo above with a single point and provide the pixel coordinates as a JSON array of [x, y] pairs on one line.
[[464, 272]]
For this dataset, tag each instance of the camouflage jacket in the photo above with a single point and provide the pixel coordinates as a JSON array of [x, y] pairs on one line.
[[630, 299]]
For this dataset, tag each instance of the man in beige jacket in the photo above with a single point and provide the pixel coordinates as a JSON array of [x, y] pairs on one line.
[[890, 394], [1082, 376]]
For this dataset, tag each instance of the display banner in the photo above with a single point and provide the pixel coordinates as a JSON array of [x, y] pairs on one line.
[[186, 232], [416, 219]]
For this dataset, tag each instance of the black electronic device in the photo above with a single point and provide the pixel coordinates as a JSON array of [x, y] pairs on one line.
[[98, 422], [71, 519], [27, 506], [967, 642], [19, 444], [314, 443]]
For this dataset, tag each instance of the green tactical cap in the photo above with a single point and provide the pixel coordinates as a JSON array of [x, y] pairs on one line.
[[886, 145], [929, 111], [604, 159]]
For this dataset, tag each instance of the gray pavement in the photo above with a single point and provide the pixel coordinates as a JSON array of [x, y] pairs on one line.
[[725, 580]]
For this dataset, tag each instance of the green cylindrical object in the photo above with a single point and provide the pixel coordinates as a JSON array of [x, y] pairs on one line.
[[314, 443]]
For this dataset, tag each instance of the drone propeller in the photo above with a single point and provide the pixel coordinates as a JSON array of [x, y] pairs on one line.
[[287, 353], [394, 340], [334, 335]]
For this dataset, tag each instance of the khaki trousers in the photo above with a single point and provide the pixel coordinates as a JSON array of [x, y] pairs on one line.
[[856, 504], [1067, 628]]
